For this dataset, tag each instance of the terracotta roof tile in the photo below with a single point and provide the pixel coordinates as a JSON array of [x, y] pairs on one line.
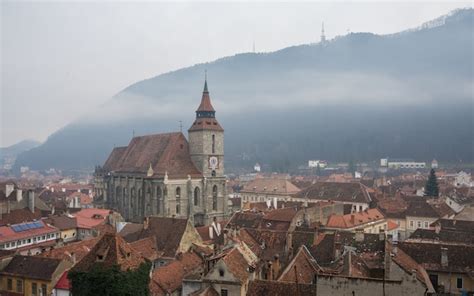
[[110, 250], [147, 248], [270, 186], [169, 278], [76, 249], [336, 191], [167, 231], [32, 267], [167, 153], [355, 219]]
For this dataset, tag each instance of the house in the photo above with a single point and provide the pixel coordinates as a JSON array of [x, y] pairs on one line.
[[168, 279], [62, 287], [90, 221], [449, 265], [458, 198], [21, 206], [172, 235], [268, 189], [28, 238], [72, 252], [110, 250], [370, 221], [27, 275], [66, 224], [231, 274], [354, 194], [359, 266]]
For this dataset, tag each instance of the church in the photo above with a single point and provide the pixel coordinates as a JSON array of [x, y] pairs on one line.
[[168, 175]]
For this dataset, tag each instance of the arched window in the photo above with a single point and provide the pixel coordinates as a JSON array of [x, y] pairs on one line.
[[158, 199], [213, 144], [178, 200], [133, 203], [197, 193], [213, 173], [214, 198]]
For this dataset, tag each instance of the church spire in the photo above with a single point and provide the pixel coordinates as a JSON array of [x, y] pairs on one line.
[[205, 82], [205, 109]]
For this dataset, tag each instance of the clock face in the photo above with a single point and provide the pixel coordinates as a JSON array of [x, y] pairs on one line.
[[213, 162]]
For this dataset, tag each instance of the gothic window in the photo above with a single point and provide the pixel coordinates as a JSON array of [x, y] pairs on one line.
[[197, 193], [214, 198], [133, 204], [213, 144], [158, 199], [178, 200]]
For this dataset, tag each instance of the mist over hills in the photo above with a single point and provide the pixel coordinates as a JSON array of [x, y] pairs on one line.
[[357, 97]]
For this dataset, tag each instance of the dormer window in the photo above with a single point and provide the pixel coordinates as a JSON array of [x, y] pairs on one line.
[[100, 258]]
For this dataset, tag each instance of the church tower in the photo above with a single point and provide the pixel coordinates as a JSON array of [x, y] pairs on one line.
[[206, 139]]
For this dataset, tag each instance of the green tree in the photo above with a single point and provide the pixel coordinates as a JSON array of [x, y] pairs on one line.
[[431, 187], [111, 281]]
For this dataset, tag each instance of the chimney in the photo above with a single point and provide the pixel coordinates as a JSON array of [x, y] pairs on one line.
[[438, 227], [381, 234], [145, 223], [9, 189], [359, 235], [19, 195], [276, 267], [337, 245], [352, 219], [31, 200], [8, 206], [444, 257]]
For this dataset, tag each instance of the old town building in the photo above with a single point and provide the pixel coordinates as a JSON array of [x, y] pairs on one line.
[[168, 175]]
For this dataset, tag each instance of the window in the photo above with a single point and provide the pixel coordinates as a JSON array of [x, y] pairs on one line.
[[10, 284], [419, 224], [224, 292], [34, 289], [426, 224], [411, 224], [221, 272], [213, 144], [178, 200], [197, 193], [19, 286], [459, 283], [360, 208], [43, 289], [214, 198]]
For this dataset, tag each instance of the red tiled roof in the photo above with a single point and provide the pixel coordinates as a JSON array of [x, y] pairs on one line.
[[19, 216], [237, 264], [90, 218], [283, 215], [270, 186], [166, 153], [336, 191], [306, 268], [110, 250], [169, 278], [167, 231], [355, 219], [63, 283], [7, 233], [206, 124], [76, 249], [147, 247], [114, 158]]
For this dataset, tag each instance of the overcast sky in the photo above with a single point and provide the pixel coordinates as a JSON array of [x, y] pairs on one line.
[[61, 60]]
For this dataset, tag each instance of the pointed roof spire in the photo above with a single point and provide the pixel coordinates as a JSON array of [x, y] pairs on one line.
[[205, 81], [206, 105]]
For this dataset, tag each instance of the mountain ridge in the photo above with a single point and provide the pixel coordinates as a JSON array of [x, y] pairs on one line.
[[264, 98]]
